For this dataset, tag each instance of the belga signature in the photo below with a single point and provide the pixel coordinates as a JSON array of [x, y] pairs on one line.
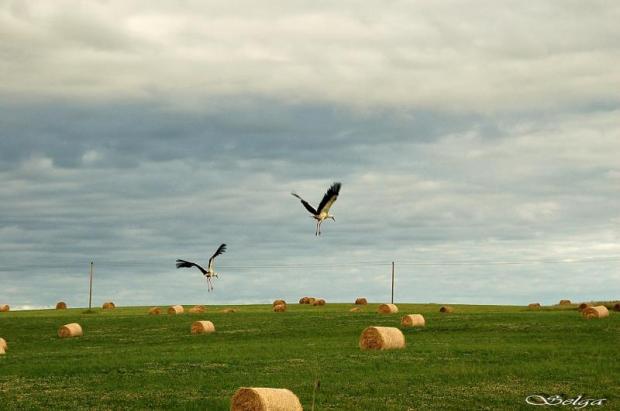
[[558, 400]]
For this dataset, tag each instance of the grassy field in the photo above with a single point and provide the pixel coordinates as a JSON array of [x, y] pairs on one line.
[[480, 357]]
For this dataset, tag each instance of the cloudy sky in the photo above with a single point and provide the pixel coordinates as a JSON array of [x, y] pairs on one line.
[[478, 144]]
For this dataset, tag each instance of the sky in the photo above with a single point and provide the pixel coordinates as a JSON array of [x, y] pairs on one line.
[[477, 143]]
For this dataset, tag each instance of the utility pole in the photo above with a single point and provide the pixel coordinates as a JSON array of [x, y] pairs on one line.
[[392, 282], [90, 293]]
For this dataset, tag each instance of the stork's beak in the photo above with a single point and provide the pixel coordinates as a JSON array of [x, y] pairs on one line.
[[333, 218]]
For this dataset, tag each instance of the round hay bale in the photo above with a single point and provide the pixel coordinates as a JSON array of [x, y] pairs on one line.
[[387, 309], [3, 344], [197, 309], [2, 351], [361, 301], [413, 320], [311, 300], [70, 330], [108, 305], [202, 327], [318, 302], [280, 308], [446, 309], [61, 305], [616, 307], [600, 311], [154, 311], [304, 300], [4, 308], [583, 306], [175, 309], [534, 306], [278, 302], [355, 310], [381, 338], [264, 399], [565, 302], [228, 310]]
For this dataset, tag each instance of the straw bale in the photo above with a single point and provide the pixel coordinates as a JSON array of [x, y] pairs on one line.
[[108, 305], [319, 301], [381, 338], [4, 308], [361, 301], [175, 309], [154, 311], [202, 327], [70, 330], [265, 399], [446, 309], [197, 309], [534, 306], [280, 308], [278, 302], [61, 305], [413, 320], [387, 309], [600, 311]]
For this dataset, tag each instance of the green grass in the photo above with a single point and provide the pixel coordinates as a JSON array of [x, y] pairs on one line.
[[480, 357]]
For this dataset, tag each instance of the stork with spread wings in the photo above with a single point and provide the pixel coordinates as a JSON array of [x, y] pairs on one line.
[[322, 212], [209, 272]]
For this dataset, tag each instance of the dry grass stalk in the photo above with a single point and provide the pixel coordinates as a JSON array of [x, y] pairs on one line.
[[278, 302], [3, 344], [361, 301], [202, 327], [265, 399], [197, 309], [228, 310], [108, 305], [565, 302], [534, 306], [355, 310], [319, 301], [154, 311], [280, 308], [175, 309], [61, 305], [70, 330], [600, 311], [446, 309], [413, 320], [387, 309], [381, 338], [4, 308]]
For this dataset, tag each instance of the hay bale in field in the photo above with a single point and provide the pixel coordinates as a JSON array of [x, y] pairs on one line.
[[61, 305], [565, 302], [318, 302], [154, 311], [446, 309], [197, 309], [70, 330], [304, 300], [381, 338], [202, 327], [3, 344], [108, 305], [280, 308], [264, 399], [175, 309], [355, 310], [4, 308], [616, 307], [600, 311], [228, 310], [361, 301], [311, 300], [387, 309], [2, 351], [413, 320], [534, 306], [583, 306], [278, 302]]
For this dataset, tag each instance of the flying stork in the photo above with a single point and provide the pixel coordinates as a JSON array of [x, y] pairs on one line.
[[322, 213], [209, 272]]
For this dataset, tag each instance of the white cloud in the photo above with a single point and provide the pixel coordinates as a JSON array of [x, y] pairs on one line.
[[482, 55]]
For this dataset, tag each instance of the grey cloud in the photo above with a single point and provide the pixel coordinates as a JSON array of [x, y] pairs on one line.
[[436, 56]]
